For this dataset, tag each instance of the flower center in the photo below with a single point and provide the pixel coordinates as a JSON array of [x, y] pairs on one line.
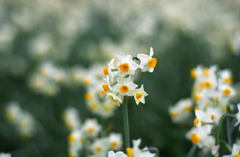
[[90, 130], [114, 144], [228, 80], [196, 122], [71, 155], [106, 109], [139, 96], [173, 114], [71, 138], [124, 89], [213, 117], [227, 92], [93, 106], [196, 97], [130, 152], [105, 87], [207, 84], [206, 71], [98, 149], [193, 73], [105, 70], [195, 138], [124, 67], [238, 155], [187, 108], [152, 63], [88, 96], [86, 81]]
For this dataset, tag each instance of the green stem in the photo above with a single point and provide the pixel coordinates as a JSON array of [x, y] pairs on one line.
[[126, 124], [192, 151], [218, 137], [229, 131]]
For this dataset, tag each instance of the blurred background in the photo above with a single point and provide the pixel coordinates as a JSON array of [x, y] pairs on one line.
[[81, 33]]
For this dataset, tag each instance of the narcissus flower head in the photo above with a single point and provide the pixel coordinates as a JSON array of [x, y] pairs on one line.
[[120, 74]]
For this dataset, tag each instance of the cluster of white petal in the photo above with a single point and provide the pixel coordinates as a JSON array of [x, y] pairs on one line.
[[181, 111], [120, 74], [88, 137], [211, 95], [23, 120], [47, 78], [71, 118], [212, 92], [95, 96], [133, 152]]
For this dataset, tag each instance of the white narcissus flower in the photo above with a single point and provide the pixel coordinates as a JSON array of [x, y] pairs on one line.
[[75, 140], [117, 154], [125, 87], [181, 111], [71, 118], [226, 90], [235, 150], [126, 65], [117, 98], [137, 152], [226, 76], [115, 141], [5, 155], [147, 62], [100, 147], [91, 127], [201, 137], [211, 115], [133, 152], [139, 95], [238, 115]]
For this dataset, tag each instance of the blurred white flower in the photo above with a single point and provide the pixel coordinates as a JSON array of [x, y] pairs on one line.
[[235, 150], [5, 155]]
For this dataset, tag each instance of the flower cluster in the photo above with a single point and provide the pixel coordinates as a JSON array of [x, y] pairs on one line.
[[23, 120], [181, 111], [95, 97], [71, 118], [88, 136], [120, 74], [47, 78], [212, 87], [211, 95], [133, 152], [212, 92]]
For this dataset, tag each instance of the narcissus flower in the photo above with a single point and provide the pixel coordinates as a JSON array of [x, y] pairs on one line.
[[201, 137], [139, 95], [71, 118], [147, 62], [117, 154], [211, 115], [120, 74], [238, 115], [115, 141], [235, 150], [5, 155], [133, 152], [91, 127], [181, 111], [126, 65]]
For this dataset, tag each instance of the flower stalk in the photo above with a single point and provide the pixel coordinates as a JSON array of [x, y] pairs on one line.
[[126, 123]]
